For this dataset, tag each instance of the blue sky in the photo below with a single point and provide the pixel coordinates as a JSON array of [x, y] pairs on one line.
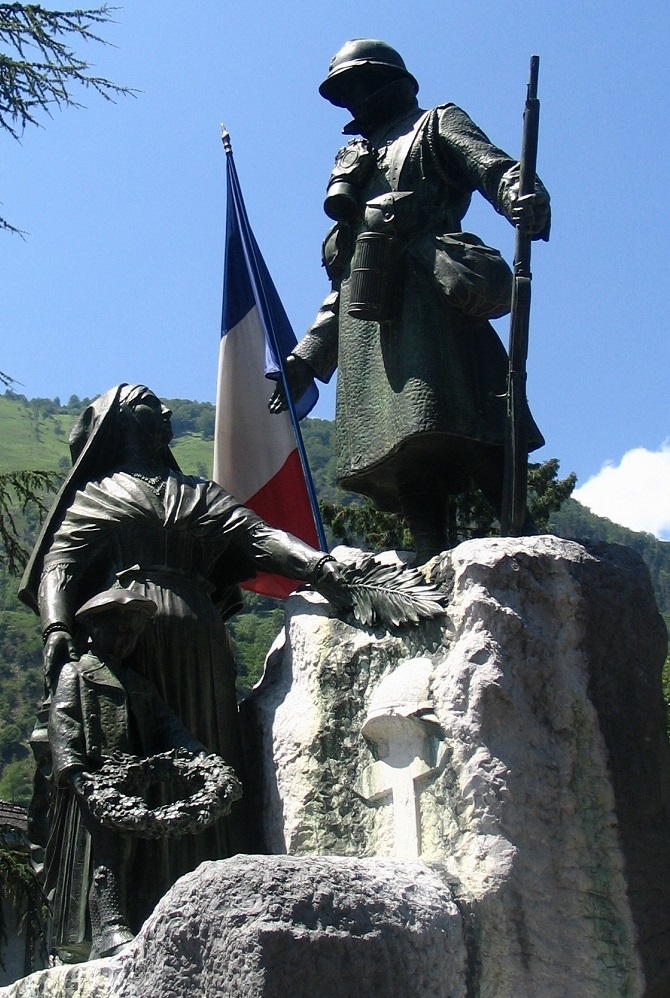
[[119, 278]]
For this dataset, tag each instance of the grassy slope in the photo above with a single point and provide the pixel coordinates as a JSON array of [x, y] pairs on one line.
[[26, 441], [29, 441], [194, 455]]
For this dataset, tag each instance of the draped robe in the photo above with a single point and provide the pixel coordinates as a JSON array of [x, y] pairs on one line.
[[185, 549]]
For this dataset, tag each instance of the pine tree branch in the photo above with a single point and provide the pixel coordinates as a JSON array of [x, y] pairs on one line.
[[19, 491], [29, 84], [20, 888], [39, 68]]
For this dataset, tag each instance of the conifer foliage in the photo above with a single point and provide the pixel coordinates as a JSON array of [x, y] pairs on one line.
[[470, 515], [21, 891], [39, 68], [22, 490]]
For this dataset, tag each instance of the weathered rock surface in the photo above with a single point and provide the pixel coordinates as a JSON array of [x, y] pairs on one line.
[[511, 757], [530, 757], [279, 926], [82, 980]]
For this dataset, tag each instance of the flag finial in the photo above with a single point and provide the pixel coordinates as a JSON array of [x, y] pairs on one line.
[[225, 138]]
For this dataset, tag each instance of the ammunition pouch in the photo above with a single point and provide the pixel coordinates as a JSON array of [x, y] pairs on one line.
[[396, 212]]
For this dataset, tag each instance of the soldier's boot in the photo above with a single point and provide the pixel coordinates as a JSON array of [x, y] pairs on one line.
[[425, 512]]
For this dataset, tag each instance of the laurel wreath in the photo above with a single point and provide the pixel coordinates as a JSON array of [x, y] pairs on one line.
[[114, 793]]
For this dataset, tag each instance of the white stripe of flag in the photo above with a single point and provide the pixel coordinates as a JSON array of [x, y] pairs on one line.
[[256, 455]]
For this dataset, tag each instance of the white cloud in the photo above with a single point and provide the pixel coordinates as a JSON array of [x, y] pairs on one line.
[[635, 493]]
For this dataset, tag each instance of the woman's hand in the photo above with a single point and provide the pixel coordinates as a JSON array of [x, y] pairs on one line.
[[330, 583], [58, 649]]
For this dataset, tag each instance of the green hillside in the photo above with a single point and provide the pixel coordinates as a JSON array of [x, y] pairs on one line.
[[34, 433], [576, 522], [33, 437]]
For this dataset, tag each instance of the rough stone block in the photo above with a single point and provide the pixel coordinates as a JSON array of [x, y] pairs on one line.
[[279, 926], [540, 772]]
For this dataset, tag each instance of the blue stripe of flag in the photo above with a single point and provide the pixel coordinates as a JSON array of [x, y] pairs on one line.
[[238, 294], [245, 273]]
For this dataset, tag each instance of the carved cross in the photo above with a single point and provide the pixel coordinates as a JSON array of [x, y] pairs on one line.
[[406, 745]]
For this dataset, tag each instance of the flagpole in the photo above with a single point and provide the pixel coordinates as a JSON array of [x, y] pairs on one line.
[[249, 247]]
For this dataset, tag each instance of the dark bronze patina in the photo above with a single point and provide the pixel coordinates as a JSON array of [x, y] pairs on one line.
[[515, 479], [422, 375], [100, 707], [126, 515]]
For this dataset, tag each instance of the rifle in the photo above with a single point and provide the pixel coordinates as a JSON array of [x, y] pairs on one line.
[[515, 480]]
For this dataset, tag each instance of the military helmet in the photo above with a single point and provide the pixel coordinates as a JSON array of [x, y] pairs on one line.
[[362, 55]]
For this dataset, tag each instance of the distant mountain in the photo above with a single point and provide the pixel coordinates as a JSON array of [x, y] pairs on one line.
[[576, 522]]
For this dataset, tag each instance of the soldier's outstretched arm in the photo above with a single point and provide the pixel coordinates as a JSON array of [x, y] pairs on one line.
[[299, 376], [314, 357]]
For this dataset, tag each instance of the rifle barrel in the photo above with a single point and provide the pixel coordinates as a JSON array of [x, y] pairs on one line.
[[515, 482]]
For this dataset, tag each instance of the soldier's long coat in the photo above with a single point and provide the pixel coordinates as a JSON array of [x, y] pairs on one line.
[[417, 390]]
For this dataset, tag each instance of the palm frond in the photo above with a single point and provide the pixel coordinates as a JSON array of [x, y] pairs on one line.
[[392, 594]]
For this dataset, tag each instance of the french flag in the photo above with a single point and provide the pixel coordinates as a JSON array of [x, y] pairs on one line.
[[258, 456]]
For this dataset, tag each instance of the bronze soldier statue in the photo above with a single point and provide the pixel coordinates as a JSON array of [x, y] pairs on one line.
[[421, 372]]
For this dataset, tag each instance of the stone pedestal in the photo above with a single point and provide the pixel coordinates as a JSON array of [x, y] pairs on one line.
[[478, 807], [527, 762], [284, 927]]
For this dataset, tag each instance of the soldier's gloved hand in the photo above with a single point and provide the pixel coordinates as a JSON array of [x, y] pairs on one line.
[[58, 649], [531, 213], [299, 376], [330, 583]]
